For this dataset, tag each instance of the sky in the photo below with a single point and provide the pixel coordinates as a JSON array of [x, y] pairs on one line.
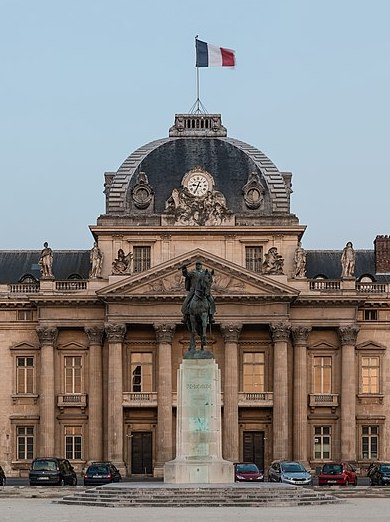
[[84, 83]]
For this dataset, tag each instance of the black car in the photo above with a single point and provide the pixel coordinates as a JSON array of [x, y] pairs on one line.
[[52, 471], [379, 474], [99, 473], [2, 477]]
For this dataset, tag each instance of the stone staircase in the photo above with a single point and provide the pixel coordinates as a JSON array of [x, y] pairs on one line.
[[192, 496]]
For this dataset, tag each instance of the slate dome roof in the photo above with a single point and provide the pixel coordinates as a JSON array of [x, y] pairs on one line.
[[230, 162]]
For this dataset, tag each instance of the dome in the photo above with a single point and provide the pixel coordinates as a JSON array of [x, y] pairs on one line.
[[155, 178]]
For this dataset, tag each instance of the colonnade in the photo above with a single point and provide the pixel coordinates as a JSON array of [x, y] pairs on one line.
[[281, 333]]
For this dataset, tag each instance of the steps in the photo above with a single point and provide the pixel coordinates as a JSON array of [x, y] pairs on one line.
[[193, 496]]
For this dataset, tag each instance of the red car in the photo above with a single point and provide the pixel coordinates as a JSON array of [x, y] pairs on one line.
[[247, 472], [337, 474]]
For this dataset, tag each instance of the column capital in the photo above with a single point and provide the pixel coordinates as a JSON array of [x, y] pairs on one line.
[[95, 334], [300, 334], [47, 335], [348, 334], [164, 332], [231, 331], [280, 331], [115, 332]]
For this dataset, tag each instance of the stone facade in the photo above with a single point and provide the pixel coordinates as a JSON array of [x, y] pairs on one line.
[[89, 365]]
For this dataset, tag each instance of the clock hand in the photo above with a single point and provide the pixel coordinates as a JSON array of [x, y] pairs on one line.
[[197, 186]]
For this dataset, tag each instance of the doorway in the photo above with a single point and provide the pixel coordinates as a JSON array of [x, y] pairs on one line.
[[141, 453], [253, 448]]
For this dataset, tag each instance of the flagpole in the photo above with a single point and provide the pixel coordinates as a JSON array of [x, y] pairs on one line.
[[197, 90], [198, 107], [197, 79]]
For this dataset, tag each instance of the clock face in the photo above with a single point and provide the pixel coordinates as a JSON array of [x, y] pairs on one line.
[[198, 185]]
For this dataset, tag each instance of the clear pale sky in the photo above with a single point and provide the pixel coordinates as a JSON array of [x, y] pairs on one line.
[[86, 82]]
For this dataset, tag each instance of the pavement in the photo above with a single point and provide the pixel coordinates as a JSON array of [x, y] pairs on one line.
[[44, 510]]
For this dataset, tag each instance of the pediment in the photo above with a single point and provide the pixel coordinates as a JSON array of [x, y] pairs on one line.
[[323, 345], [229, 280], [71, 346], [24, 346], [370, 345]]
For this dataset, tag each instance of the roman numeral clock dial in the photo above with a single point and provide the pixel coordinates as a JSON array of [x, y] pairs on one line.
[[198, 185]]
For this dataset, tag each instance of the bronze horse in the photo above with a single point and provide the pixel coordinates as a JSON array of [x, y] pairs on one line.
[[199, 310]]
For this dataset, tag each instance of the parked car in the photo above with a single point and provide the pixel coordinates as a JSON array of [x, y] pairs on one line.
[[52, 471], [379, 474], [2, 477], [337, 473], [289, 472], [247, 472], [99, 473]]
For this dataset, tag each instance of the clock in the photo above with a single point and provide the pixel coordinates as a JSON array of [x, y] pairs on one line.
[[198, 185]]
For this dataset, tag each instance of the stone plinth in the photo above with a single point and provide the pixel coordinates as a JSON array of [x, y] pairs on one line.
[[199, 437]]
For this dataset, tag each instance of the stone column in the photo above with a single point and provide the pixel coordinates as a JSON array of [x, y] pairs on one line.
[[231, 443], [95, 393], [280, 334], [47, 338], [300, 335], [164, 335], [115, 336], [348, 336]]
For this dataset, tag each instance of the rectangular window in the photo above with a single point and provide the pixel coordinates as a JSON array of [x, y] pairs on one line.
[[24, 375], [253, 372], [253, 256], [370, 315], [370, 375], [322, 374], [25, 442], [141, 258], [322, 442], [73, 442], [141, 368], [25, 315], [370, 440], [73, 370]]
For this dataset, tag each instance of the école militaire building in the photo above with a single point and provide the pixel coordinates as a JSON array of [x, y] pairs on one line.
[[89, 353]]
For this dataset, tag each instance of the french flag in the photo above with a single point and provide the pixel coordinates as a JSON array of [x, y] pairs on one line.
[[210, 55]]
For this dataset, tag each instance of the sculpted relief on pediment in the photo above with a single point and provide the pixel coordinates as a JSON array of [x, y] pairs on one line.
[[173, 283]]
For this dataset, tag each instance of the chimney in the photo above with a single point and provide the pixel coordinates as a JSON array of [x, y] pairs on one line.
[[382, 254]]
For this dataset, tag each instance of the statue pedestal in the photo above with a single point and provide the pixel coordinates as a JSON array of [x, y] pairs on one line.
[[199, 437]]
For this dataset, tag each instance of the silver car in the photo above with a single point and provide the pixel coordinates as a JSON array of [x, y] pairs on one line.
[[289, 472]]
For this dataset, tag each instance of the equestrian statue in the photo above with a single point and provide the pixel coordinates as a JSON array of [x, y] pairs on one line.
[[198, 308]]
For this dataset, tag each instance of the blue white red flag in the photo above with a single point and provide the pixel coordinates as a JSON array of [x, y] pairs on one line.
[[210, 55]]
